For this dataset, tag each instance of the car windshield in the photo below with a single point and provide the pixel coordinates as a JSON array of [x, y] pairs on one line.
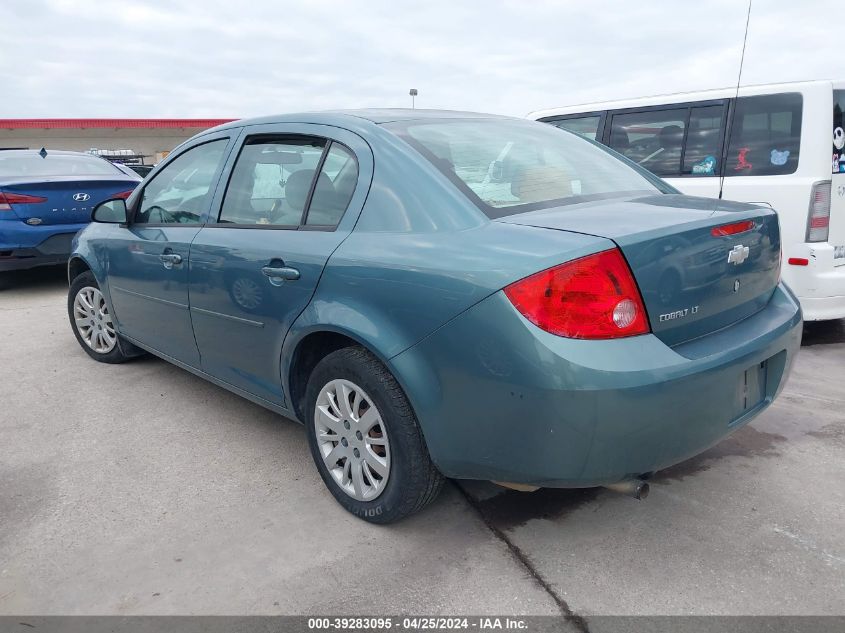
[[27, 165], [511, 166]]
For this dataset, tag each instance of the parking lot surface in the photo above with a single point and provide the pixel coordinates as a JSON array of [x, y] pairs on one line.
[[142, 489]]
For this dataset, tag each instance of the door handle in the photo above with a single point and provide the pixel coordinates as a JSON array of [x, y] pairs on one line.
[[169, 259], [280, 274]]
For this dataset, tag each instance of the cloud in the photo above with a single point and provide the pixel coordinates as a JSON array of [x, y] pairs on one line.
[[218, 58]]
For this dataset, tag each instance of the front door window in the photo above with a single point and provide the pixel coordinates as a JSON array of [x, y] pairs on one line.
[[181, 192]]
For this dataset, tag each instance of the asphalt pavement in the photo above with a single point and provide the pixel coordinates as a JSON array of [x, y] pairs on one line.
[[142, 489]]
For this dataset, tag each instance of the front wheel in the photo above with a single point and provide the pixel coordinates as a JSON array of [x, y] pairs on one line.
[[365, 439], [91, 321]]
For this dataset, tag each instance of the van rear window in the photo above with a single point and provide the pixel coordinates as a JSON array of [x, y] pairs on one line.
[[586, 126], [766, 135]]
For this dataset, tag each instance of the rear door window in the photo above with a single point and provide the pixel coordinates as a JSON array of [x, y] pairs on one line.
[[334, 188], [703, 146], [271, 181], [585, 126], [765, 136], [653, 138]]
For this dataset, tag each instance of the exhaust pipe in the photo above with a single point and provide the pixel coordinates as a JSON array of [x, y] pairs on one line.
[[519, 487], [636, 488]]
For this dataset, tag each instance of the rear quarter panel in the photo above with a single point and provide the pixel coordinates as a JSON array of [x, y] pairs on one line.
[[390, 290]]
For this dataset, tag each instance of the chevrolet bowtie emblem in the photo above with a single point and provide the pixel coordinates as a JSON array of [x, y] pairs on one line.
[[738, 254]]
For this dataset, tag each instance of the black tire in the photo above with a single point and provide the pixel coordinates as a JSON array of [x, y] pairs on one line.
[[414, 481], [122, 351]]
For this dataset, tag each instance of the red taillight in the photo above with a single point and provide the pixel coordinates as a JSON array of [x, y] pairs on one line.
[[818, 220], [123, 194], [7, 199], [732, 229], [594, 297], [798, 261]]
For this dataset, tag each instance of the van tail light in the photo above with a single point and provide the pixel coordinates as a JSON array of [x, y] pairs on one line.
[[7, 199], [594, 297], [818, 218], [123, 194]]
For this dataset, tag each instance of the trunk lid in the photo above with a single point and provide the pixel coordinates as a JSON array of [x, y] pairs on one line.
[[690, 282], [60, 206]]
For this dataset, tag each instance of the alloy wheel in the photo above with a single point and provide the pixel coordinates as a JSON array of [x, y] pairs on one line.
[[352, 439], [93, 321]]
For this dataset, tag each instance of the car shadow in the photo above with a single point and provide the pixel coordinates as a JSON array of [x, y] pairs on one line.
[[823, 332], [43, 278]]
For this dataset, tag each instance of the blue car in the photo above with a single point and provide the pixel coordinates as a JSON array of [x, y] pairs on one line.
[[443, 294], [46, 197]]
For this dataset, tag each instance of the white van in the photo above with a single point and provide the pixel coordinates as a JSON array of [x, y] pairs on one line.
[[772, 144]]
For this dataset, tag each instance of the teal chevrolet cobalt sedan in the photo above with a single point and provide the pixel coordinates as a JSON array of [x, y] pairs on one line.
[[444, 294]]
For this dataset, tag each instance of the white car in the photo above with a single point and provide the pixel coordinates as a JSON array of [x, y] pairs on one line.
[[782, 144]]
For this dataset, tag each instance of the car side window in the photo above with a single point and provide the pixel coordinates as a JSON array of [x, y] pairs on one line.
[[765, 135], [334, 188], [181, 192], [652, 138], [702, 150], [585, 126], [271, 181]]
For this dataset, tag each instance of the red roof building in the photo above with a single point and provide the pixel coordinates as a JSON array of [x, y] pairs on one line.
[[85, 124], [151, 138]]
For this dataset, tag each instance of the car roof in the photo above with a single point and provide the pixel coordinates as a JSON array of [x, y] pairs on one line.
[[678, 97], [371, 115], [59, 152]]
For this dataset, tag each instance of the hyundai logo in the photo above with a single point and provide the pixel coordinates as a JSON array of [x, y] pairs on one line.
[[738, 254], [81, 197]]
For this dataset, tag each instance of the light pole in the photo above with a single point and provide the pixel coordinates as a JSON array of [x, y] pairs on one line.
[[413, 92]]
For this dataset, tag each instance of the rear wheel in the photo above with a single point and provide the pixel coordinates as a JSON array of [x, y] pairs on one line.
[[91, 321], [365, 439]]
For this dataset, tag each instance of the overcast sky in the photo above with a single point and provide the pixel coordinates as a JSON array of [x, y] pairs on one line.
[[219, 58]]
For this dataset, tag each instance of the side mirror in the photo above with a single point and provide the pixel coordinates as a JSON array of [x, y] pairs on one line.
[[111, 212]]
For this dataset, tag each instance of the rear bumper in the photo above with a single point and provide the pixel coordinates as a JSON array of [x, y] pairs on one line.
[[499, 399], [33, 246], [823, 308], [820, 286]]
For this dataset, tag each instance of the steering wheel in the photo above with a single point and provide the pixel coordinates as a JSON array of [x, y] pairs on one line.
[[169, 217], [165, 216]]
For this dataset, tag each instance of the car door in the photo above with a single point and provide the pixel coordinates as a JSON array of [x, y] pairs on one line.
[[293, 194], [148, 259]]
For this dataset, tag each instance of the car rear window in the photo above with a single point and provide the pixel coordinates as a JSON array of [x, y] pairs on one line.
[[765, 136], [13, 164], [511, 166]]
